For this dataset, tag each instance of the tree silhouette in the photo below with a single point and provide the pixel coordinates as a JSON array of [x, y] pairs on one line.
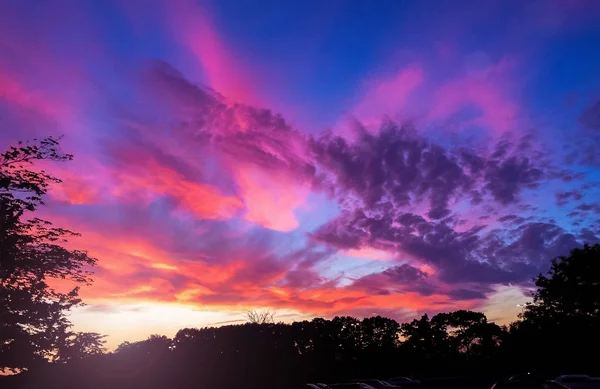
[[426, 337], [278, 355], [378, 333], [81, 345], [260, 316], [465, 328], [570, 291], [565, 309], [32, 252]]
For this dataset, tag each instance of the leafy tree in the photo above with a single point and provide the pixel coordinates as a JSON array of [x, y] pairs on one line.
[[81, 345], [464, 327], [426, 337], [348, 331], [565, 310], [487, 339], [570, 291], [153, 345], [32, 253], [379, 333]]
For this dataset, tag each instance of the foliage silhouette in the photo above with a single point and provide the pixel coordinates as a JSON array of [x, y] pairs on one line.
[[564, 317], [81, 345], [33, 326]]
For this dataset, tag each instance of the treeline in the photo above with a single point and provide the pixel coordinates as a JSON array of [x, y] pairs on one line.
[[557, 333], [276, 355]]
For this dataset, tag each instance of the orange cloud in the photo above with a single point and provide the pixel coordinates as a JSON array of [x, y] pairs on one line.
[[204, 201], [75, 188], [133, 270], [164, 266]]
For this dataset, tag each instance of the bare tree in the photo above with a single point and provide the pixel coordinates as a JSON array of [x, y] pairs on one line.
[[261, 316]]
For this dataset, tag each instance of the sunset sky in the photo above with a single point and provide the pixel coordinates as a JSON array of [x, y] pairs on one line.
[[316, 158]]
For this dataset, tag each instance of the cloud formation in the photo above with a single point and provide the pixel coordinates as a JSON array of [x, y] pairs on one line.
[[443, 189]]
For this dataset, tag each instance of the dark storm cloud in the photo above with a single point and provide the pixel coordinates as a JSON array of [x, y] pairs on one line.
[[466, 294], [512, 219], [563, 198], [397, 279], [587, 207], [404, 273], [395, 170], [506, 179], [406, 278], [471, 256], [393, 166]]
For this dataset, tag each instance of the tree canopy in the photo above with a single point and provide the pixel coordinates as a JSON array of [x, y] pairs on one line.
[[571, 290], [564, 317], [33, 324]]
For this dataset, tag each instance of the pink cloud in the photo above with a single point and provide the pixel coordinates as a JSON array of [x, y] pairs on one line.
[[75, 188], [139, 178], [385, 96], [388, 95], [18, 95], [370, 253], [194, 29], [34, 78], [480, 93], [270, 198], [484, 89], [265, 159]]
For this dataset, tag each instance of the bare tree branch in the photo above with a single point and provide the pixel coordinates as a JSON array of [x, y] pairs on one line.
[[261, 316]]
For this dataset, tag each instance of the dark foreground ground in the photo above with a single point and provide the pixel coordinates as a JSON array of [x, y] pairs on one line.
[[459, 383], [484, 382], [438, 383], [470, 382]]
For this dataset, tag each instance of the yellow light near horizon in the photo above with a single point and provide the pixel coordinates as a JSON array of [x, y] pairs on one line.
[[189, 294], [136, 321], [279, 291], [133, 291], [502, 305], [164, 266]]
